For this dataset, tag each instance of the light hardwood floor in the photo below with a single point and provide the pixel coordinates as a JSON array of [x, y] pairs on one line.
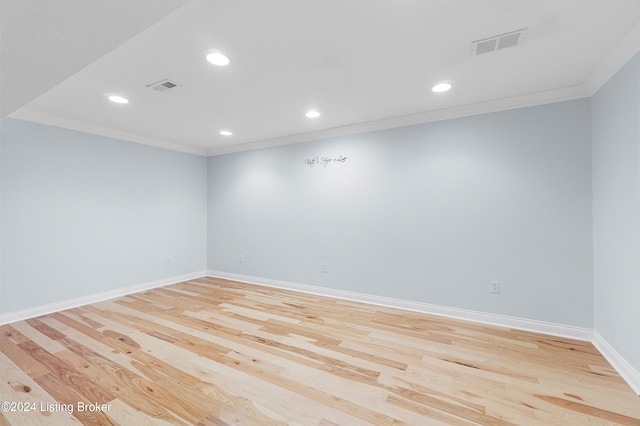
[[217, 352]]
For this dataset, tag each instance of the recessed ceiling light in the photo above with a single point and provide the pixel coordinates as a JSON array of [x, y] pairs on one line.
[[312, 114], [218, 58], [226, 133], [442, 87], [118, 99]]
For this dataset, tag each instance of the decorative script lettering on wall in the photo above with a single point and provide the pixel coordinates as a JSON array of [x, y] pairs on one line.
[[323, 161]]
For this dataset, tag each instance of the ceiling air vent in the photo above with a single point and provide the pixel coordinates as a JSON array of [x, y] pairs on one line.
[[498, 42], [163, 85]]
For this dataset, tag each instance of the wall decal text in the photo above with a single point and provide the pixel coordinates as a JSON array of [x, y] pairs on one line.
[[323, 161]]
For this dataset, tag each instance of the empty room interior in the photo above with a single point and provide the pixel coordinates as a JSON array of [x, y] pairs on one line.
[[320, 213]]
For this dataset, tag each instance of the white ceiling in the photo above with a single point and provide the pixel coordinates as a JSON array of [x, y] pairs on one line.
[[364, 64], [45, 41]]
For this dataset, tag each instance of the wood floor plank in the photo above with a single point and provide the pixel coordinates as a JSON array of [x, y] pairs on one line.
[[34, 335], [16, 386], [69, 375], [217, 352], [4, 421], [21, 357], [125, 414]]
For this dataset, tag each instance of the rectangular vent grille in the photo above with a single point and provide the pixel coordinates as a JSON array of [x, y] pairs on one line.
[[498, 42], [163, 85]]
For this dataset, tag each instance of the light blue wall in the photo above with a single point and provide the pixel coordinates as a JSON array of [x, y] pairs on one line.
[[428, 213], [83, 214], [616, 211]]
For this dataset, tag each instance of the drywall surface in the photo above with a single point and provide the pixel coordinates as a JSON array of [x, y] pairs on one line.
[[616, 210], [83, 214], [430, 213]]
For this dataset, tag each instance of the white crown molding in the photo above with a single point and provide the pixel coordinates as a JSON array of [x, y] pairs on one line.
[[532, 99], [553, 329], [42, 118], [618, 57], [9, 317], [626, 371]]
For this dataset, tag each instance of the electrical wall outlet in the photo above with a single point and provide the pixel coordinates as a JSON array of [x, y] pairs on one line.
[[494, 287], [167, 261], [241, 258], [325, 268]]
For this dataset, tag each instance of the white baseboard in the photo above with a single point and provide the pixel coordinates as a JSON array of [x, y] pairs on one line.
[[9, 317], [626, 371], [553, 329]]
